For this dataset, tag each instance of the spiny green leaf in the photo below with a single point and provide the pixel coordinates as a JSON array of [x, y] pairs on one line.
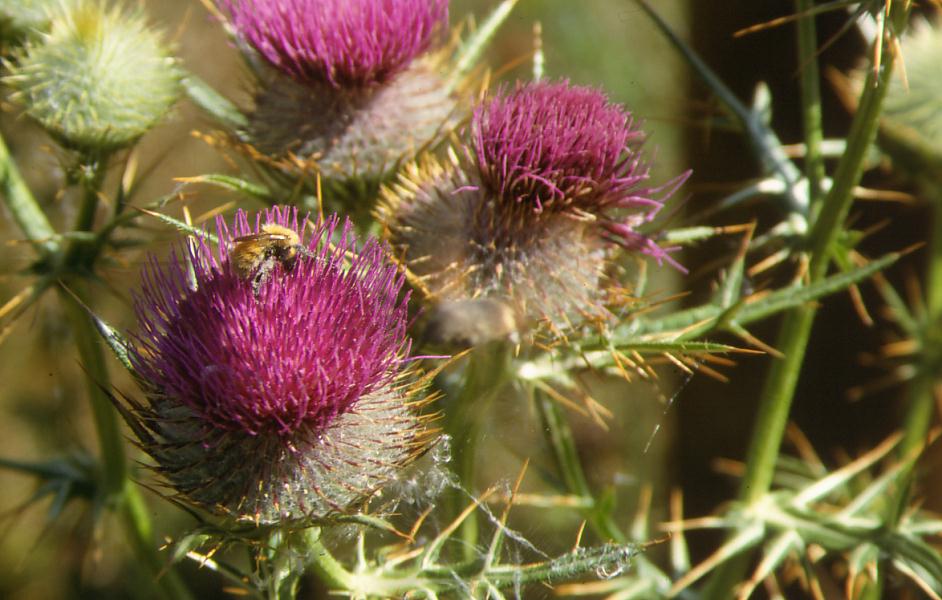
[[214, 103], [781, 300], [183, 226], [688, 235], [919, 555], [826, 485], [765, 143], [369, 521], [878, 492], [598, 358], [774, 555], [233, 184], [117, 343], [189, 542], [602, 560], [709, 316], [899, 309], [64, 479], [470, 51], [731, 288]]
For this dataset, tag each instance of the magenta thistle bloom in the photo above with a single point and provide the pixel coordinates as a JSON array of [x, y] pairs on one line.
[[340, 42], [559, 147], [353, 88], [282, 400], [553, 176]]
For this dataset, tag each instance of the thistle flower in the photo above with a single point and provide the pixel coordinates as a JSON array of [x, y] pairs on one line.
[[529, 212], [284, 401], [350, 86], [98, 80]]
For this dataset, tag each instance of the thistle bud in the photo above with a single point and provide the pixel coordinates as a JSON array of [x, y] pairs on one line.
[[97, 80], [529, 212], [283, 400], [351, 86]]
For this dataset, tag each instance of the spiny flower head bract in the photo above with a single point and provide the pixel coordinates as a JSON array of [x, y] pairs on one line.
[[283, 401]]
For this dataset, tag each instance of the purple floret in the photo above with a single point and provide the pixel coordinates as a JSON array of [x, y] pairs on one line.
[[560, 148], [301, 351], [339, 42]]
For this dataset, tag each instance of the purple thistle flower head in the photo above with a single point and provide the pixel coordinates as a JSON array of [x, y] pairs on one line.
[[553, 144], [355, 86], [528, 214], [558, 147], [340, 42], [278, 392]]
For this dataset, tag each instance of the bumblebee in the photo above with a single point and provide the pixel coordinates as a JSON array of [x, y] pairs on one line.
[[470, 322], [253, 257]]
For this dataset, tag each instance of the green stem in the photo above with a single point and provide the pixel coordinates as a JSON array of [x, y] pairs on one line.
[[115, 482], [485, 374], [91, 179], [559, 436], [778, 392], [327, 568], [920, 392], [361, 584], [110, 443], [281, 565], [22, 205], [810, 99], [140, 534], [921, 396], [934, 270]]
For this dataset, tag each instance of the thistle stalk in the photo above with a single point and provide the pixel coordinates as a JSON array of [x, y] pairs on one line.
[[920, 393], [778, 392], [327, 568], [111, 448], [810, 100], [115, 483], [485, 375], [559, 436], [91, 171], [22, 205], [921, 397]]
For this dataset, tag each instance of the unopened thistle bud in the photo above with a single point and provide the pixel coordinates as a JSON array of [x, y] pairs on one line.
[[279, 398], [351, 87], [529, 212], [98, 79]]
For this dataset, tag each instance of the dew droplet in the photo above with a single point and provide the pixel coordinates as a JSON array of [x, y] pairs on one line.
[[441, 452]]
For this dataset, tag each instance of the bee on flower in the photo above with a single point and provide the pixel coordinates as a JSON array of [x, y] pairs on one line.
[[280, 399]]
